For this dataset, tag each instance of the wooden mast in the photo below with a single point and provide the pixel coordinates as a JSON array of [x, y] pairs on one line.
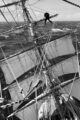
[[28, 20]]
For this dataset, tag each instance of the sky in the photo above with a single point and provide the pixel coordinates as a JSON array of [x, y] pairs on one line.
[[37, 9]]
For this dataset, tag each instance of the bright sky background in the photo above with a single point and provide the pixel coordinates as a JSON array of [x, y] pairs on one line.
[[37, 9]]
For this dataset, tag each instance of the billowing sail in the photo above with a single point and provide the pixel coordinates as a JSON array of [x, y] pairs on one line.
[[59, 47], [44, 106], [19, 65], [73, 90], [61, 54], [62, 60], [16, 66], [65, 68], [32, 80]]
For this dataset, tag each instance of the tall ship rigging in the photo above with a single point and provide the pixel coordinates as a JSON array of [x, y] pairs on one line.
[[41, 80]]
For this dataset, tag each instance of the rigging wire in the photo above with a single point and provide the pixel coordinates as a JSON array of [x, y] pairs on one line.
[[35, 2], [71, 3], [33, 101], [32, 11], [17, 13], [22, 46], [37, 68], [42, 10], [57, 52], [42, 36], [4, 17], [60, 83], [20, 53], [47, 42], [38, 10], [43, 54], [20, 89], [10, 13], [36, 104], [77, 67], [42, 62]]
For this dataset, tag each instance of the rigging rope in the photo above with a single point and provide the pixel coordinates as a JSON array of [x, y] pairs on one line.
[[35, 2], [20, 89], [4, 17], [32, 11], [10, 13], [61, 62], [62, 89], [77, 66], [42, 10]]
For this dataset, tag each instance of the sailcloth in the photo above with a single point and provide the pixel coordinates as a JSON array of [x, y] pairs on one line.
[[60, 54]]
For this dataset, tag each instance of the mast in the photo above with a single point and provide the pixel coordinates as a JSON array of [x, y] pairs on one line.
[[27, 19], [48, 77], [44, 61]]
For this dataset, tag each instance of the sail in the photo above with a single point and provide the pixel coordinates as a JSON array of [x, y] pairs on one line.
[[66, 67], [18, 65], [75, 90], [47, 57], [25, 85], [23, 62], [44, 106], [29, 113], [59, 47]]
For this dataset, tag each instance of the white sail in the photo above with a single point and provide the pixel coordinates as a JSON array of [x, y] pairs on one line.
[[25, 61], [15, 93], [18, 65], [22, 63], [47, 105], [59, 47], [73, 89], [22, 72], [65, 67]]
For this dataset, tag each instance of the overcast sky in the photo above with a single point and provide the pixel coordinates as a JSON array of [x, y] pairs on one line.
[[37, 9]]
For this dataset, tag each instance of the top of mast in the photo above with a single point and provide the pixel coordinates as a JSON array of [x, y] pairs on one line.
[[25, 11], [27, 19]]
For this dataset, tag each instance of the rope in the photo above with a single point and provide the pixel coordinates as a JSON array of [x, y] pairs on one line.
[[38, 10], [4, 17], [36, 103], [10, 13], [20, 89], [32, 11], [42, 10], [17, 13], [77, 52], [60, 85], [78, 68], [35, 2]]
